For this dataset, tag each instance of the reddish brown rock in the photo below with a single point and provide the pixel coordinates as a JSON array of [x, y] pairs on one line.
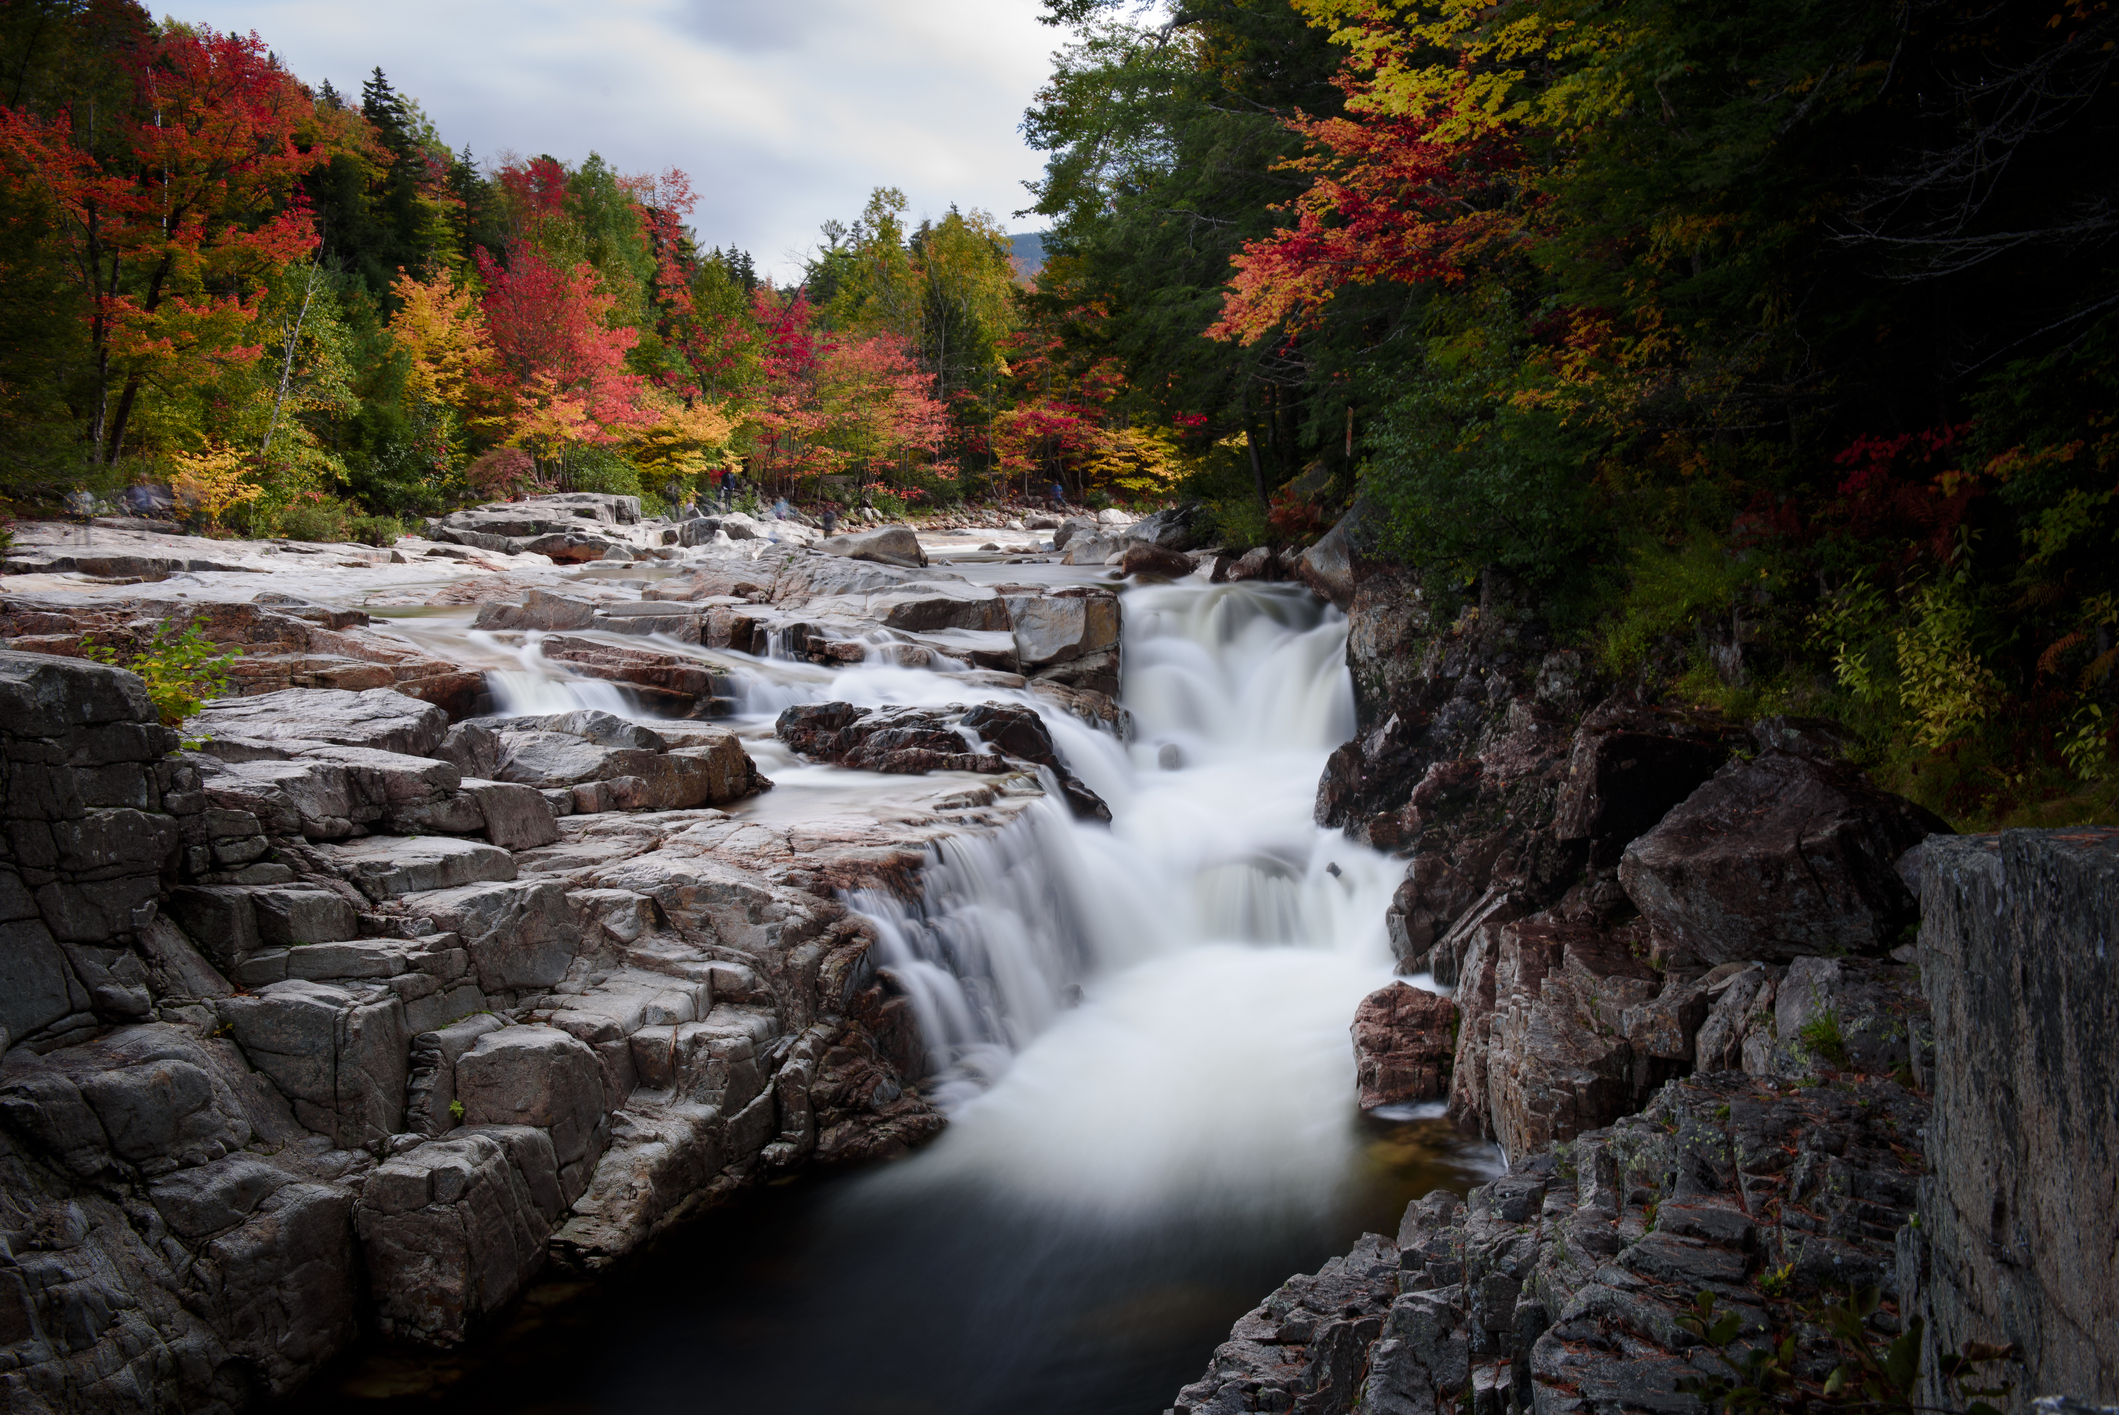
[[1564, 1029], [1154, 561], [1403, 1041]]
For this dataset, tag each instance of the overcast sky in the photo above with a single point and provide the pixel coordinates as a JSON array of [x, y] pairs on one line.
[[784, 112]]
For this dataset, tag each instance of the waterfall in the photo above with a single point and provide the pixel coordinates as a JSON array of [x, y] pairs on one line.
[[537, 685], [1156, 1012]]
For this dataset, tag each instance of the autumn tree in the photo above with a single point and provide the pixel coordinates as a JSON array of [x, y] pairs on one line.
[[557, 360], [170, 212]]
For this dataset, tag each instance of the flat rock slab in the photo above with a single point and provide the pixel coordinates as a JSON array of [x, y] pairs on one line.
[[386, 866], [381, 718]]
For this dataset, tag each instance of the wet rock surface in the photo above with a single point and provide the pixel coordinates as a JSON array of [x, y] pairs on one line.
[[916, 740]]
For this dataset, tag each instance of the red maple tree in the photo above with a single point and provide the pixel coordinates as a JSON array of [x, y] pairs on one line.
[[170, 234], [1393, 197], [557, 357]]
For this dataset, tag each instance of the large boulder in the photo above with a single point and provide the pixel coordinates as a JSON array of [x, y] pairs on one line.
[[1778, 857], [1403, 1043], [515, 817], [1185, 527], [540, 1076], [1090, 548], [454, 1229], [1154, 562], [885, 545], [1328, 568], [1053, 629]]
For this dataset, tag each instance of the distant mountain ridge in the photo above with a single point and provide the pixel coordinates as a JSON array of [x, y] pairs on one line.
[[1029, 252]]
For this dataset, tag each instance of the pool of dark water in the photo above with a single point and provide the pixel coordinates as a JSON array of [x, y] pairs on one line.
[[858, 1296]]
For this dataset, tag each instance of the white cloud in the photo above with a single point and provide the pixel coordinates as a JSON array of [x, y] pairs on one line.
[[784, 114]]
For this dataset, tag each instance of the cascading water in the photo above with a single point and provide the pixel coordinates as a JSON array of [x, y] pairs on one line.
[[1216, 939], [1140, 1032]]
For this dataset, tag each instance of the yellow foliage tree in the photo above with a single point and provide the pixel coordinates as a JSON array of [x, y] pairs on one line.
[[442, 334], [1144, 461], [685, 440], [213, 481]]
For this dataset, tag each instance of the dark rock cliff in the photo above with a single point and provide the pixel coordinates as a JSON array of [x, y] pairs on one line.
[[2019, 1233]]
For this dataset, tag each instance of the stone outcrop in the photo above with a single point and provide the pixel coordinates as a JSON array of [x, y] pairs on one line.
[[813, 602], [1619, 892], [87, 841], [282, 644], [1404, 1045], [365, 1016], [886, 545], [919, 740], [1559, 1286], [2018, 1226]]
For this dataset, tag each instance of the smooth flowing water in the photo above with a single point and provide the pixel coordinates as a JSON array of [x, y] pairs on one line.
[[1140, 1033]]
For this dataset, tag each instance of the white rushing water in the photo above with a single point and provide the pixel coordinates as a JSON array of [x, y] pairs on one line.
[[1155, 1015], [1147, 1016]]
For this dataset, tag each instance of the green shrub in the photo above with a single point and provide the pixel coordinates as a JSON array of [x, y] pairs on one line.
[[600, 469], [181, 667], [313, 521], [374, 530], [1671, 590], [1822, 1038]]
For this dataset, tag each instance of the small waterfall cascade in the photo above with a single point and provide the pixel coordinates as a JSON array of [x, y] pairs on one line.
[[1149, 1013]]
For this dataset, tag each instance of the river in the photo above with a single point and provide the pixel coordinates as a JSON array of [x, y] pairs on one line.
[[1140, 1033]]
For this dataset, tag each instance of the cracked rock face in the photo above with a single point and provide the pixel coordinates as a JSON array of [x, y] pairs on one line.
[[1558, 1286]]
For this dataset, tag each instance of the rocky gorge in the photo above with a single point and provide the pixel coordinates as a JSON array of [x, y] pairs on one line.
[[561, 876]]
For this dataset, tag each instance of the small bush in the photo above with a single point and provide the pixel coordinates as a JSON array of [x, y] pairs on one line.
[[1822, 1038], [313, 521], [181, 667], [374, 530]]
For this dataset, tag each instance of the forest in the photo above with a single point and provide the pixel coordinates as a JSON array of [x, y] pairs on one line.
[[1766, 354]]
